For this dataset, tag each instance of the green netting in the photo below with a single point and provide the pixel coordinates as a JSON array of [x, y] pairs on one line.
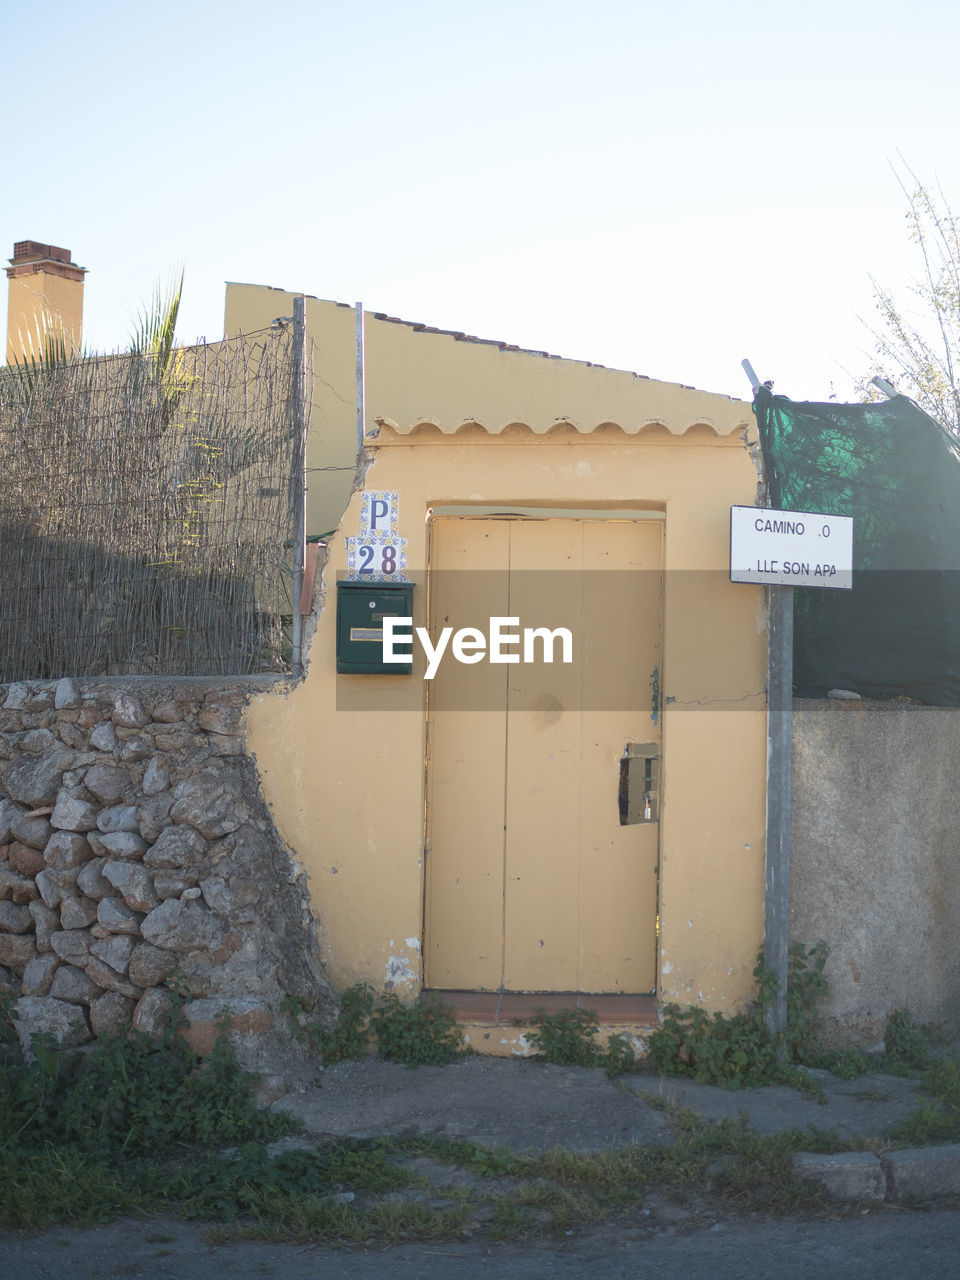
[[897, 473]]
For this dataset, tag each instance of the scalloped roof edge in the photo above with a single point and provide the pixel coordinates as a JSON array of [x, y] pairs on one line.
[[544, 428]]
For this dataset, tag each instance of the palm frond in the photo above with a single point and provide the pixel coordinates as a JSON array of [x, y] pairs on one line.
[[43, 349], [156, 324]]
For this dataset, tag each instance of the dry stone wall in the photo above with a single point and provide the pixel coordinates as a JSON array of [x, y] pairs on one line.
[[134, 846]]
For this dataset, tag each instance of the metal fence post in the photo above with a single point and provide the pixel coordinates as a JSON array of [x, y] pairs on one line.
[[361, 394], [298, 480]]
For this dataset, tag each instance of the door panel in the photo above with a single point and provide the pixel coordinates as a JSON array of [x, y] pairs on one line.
[[464, 898], [621, 654], [532, 883], [543, 779]]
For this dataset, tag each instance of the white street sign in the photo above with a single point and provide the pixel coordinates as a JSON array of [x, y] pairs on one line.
[[791, 548]]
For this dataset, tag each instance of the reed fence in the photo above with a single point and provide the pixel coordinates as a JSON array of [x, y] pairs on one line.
[[146, 512]]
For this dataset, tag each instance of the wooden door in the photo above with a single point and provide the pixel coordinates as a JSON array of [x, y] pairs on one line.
[[532, 883]]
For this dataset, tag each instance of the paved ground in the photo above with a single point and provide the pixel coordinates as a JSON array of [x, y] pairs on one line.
[[529, 1106], [876, 1246]]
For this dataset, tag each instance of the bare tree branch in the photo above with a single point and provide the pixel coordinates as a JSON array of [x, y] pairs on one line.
[[922, 356]]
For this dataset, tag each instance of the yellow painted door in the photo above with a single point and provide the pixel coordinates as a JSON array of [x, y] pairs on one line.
[[532, 883]]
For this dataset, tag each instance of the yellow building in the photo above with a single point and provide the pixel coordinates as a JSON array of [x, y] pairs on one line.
[[45, 299], [504, 828]]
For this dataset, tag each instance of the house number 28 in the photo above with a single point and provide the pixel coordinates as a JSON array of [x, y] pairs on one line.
[[367, 558]]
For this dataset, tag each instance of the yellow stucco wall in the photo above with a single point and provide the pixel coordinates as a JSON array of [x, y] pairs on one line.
[[346, 784], [416, 377]]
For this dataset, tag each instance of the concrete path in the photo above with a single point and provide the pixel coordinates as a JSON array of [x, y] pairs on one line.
[[865, 1107], [530, 1106]]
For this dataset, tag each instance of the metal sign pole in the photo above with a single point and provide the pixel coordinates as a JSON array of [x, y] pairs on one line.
[[776, 931], [361, 406], [776, 926], [299, 481]]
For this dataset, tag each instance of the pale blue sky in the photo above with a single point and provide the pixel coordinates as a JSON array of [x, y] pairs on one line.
[[653, 186]]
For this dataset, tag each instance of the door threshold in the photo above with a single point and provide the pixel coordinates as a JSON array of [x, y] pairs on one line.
[[513, 1008]]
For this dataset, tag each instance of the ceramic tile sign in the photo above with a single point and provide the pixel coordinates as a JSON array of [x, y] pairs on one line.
[[378, 553], [791, 548]]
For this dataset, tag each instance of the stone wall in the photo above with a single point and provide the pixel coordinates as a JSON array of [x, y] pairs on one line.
[[134, 846], [876, 859]]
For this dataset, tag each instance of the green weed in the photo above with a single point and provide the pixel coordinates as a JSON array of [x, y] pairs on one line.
[[738, 1051], [421, 1034], [806, 988], [733, 1051], [129, 1096], [907, 1046], [349, 1038], [82, 1132], [568, 1038], [846, 1064]]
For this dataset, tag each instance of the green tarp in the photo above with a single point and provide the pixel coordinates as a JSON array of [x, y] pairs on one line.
[[897, 473]]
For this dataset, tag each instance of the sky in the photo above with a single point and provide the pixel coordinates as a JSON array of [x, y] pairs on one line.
[[666, 186]]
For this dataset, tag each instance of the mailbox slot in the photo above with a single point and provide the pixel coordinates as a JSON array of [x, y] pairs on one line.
[[361, 608], [639, 793]]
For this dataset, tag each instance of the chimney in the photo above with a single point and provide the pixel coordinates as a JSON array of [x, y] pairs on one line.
[[45, 298]]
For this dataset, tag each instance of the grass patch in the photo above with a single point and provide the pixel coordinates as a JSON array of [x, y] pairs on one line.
[[724, 1159], [511, 1220], [252, 1182], [393, 1221], [486, 1162], [67, 1186], [939, 1119], [296, 1219]]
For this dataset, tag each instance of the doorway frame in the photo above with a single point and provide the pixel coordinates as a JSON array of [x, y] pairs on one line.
[[600, 513]]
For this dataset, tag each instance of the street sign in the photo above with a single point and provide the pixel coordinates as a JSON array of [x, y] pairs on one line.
[[791, 548], [378, 553]]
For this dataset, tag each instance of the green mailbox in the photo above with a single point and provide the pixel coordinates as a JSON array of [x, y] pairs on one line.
[[361, 609]]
